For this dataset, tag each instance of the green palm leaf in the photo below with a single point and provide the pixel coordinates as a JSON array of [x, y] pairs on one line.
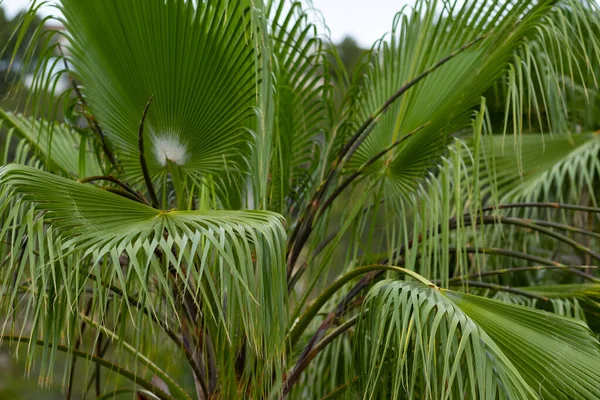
[[418, 343], [540, 166], [436, 343], [231, 262], [195, 59], [301, 94], [57, 147], [560, 351], [447, 97], [579, 300]]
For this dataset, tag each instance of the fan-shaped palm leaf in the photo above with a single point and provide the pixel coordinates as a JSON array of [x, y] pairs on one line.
[[231, 262], [436, 343], [195, 59]]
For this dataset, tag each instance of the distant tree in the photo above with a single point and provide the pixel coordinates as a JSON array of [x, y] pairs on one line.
[[346, 61], [11, 73], [350, 53]]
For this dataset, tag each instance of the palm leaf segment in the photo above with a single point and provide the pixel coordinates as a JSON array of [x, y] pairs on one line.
[[468, 344], [557, 168], [300, 92], [57, 147], [195, 59], [231, 261]]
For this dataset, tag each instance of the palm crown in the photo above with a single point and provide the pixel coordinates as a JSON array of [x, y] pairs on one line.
[[424, 229]]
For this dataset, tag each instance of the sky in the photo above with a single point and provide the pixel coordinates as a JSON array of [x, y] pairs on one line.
[[364, 20]]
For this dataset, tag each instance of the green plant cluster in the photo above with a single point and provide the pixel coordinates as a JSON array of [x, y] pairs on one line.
[[420, 224]]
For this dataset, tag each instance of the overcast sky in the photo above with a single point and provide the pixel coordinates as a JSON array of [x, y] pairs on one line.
[[365, 20]]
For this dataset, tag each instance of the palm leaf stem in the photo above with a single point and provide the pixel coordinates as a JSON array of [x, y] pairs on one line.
[[188, 341], [138, 356], [572, 207], [568, 228], [484, 274], [114, 394], [83, 325], [143, 164], [190, 308], [312, 311], [201, 371], [124, 193], [550, 224], [172, 335], [320, 247], [292, 378], [309, 314], [305, 361], [501, 252], [501, 288], [95, 378], [327, 203], [486, 220], [100, 351], [559, 206], [294, 278], [353, 144], [468, 220], [523, 256], [300, 271], [337, 392], [116, 181], [100, 136], [523, 223]]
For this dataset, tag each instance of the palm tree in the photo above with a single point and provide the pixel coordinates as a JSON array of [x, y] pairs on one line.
[[211, 209]]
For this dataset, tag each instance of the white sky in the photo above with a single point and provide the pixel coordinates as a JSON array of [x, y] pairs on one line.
[[13, 6], [365, 20]]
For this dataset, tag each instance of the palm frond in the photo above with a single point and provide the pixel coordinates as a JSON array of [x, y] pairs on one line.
[[555, 168], [421, 36], [230, 262], [418, 187], [420, 341], [59, 148], [301, 96], [203, 87], [559, 348]]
